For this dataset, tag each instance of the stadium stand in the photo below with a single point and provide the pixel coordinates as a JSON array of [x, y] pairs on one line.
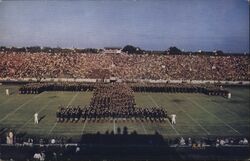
[[123, 66]]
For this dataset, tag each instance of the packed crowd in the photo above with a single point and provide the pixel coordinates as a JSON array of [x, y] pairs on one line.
[[202, 143], [123, 66]]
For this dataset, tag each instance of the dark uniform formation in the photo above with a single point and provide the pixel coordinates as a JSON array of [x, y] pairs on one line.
[[36, 88], [111, 101], [118, 96], [76, 113], [180, 88]]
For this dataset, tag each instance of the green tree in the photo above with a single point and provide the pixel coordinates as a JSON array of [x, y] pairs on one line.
[[132, 50], [174, 50]]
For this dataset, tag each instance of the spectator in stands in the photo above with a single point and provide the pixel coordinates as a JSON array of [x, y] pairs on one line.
[[99, 66], [182, 141], [37, 157], [77, 149], [245, 141], [10, 137], [43, 156], [217, 144], [53, 141], [222, 142], [54, 158], [189, 142]]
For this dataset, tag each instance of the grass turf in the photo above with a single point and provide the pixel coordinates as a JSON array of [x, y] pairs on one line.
[[197, 114]]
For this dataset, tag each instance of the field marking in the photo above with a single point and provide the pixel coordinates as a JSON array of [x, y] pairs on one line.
[[167, 119], [217, 104], [203, 128], [152, 100], [186, 113], [236, 94], [201, 107], [72, 99], [145, 131], [41, 109], [84, 125], [233, 113], [19, 107]]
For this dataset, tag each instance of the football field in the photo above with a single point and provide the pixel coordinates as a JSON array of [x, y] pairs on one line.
[[197, 114]]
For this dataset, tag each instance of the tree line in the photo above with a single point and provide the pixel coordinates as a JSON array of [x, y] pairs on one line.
[[38, 49], [129, 49]]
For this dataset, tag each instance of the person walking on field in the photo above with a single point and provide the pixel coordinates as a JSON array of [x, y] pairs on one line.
[[173, 119], [36, 118]]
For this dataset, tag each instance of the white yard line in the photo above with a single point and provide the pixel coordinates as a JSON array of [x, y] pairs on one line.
[[233, 113], [72, 99], [173, 127], [19, 107], [84, 125], [214, 116], [52, 128], [186, 113], [153, 100], [203, 128], [167, 119], [43, 107]]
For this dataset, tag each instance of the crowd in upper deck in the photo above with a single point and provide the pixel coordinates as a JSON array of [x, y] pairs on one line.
[[124, 66]]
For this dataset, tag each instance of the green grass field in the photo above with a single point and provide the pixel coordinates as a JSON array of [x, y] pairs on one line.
[[197, 114]]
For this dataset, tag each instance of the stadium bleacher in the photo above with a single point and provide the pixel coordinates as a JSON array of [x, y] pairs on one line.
[[123, 66]]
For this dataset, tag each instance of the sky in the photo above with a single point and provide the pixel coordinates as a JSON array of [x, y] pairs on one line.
[[190, 25]]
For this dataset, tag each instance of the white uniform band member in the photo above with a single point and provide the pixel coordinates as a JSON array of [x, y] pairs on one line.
[[7, 92], [173, 121], [36, 118], [229, 95]]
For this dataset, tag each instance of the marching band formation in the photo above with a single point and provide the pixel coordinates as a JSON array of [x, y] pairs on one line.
[[36, 88], [76, 113], [116, 100], [111, 101]]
